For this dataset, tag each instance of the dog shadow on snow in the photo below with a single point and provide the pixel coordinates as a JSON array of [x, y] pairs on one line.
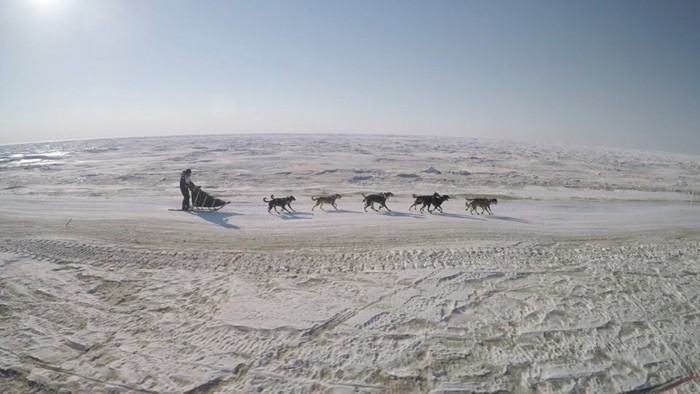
[[510, 219], [418, 215], [486, 217], [338, 211], [294, 215], [402, 214], [461, 216], [218, 218]]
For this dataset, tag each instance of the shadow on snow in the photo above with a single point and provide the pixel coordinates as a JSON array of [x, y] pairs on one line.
[[460, 216], [218, 218], [510, 219], [402, 214], [338, 211], [294, 215]]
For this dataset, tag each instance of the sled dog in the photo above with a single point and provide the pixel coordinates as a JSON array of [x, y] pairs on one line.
[[282, 202]]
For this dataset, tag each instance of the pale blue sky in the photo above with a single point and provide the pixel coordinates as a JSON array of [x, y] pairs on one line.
[[611, 73]]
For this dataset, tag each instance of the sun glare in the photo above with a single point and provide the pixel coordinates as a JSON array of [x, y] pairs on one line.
[[45, 4]]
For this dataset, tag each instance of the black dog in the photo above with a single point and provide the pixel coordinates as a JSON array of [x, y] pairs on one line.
[[279, 202], [424, 200], [436, 202], [380, 199]]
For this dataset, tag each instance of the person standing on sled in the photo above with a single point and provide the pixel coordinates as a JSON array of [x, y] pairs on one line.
[[186, 185]]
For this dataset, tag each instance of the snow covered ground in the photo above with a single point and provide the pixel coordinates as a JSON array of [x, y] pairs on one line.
[[586, 278]]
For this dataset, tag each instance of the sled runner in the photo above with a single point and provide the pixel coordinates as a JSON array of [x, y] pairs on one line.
[[203, 201]]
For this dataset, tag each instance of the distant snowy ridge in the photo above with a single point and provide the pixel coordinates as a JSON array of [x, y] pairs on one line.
[[234, 164]]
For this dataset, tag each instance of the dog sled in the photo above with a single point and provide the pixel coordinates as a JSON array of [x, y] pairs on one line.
[[203, 201]]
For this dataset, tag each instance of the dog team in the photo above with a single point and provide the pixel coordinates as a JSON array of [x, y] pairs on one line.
[[433, 201]]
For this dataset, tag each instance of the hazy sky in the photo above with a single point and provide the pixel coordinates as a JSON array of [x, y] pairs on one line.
[[613, 73]]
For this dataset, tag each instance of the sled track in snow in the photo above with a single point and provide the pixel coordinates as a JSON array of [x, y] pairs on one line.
[[501, 316], [309, 261], [315, 261]]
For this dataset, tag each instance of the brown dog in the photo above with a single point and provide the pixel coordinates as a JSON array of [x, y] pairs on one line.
[[483, 203], [279, 202], [380, 199], [326, 200]]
